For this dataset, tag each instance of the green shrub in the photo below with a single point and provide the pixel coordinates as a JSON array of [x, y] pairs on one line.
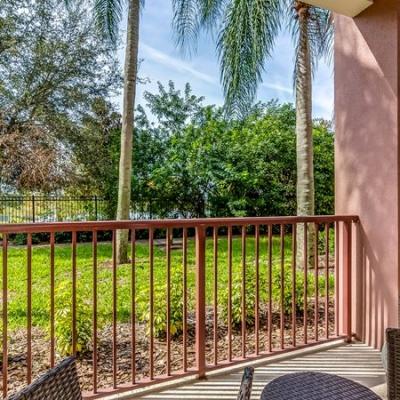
[[322, 239], [176, 303], [20, 239], [160, 305], [236, 297], [63, 321]]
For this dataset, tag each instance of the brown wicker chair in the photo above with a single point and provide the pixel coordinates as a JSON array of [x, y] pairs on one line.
[[246, 385], [59, 383], [393, 363]]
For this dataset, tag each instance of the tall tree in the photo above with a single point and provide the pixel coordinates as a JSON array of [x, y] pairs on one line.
[[53, 65], [247, 33], [108, 16]]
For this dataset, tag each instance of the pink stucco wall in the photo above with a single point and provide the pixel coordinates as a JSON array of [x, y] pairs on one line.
[[367, 159]]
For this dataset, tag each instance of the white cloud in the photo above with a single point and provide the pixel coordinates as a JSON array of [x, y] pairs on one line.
[[277, 87], [174, 63]]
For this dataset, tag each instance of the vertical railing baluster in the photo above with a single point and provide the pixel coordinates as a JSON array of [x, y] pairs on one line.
[[133, 306], [294, 280], [184, 260], [29, 309], [168, 325], [52, 301], [229, 293], [316, 277], [74, 344], [114, 309], [305, 260], [94, 253], [243, 305], [200, 301], [347, 290], [327, 280], [337, 276], [257, 288], [151, 303], [270, 288], [5, 315], [282, 286], [215, 312]]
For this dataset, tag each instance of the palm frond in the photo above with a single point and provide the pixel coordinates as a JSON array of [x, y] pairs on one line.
[[108, 14], [211, 12], [186, 23], [320, 30], [245, 43]]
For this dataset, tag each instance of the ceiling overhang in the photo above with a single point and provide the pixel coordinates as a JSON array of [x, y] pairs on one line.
[[351, 8]]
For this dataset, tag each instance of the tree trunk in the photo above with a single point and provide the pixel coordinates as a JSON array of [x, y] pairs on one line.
[[125, 163], [305, 161]]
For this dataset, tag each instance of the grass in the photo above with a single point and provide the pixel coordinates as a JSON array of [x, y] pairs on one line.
[[17, 279]]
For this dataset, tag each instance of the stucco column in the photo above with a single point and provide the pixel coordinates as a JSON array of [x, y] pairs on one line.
[[367, 159]]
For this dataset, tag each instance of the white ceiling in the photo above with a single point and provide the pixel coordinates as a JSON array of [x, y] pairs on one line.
[[350, 8]]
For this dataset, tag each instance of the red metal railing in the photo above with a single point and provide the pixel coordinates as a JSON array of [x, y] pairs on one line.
[[241, 291]]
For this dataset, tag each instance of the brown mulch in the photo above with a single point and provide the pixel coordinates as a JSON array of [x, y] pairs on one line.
[[40, 349]]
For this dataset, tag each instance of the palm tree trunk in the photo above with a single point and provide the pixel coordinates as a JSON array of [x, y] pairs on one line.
[[125, 163], [305, 161]]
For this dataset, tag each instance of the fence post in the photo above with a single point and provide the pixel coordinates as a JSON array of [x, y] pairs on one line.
[[200, 301], [95, 208], [33, 208], [347, 266]]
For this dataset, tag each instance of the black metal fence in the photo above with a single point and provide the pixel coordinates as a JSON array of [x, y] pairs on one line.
[[20, 209]]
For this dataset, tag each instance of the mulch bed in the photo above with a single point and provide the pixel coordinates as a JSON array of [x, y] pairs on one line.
[[40, 349]]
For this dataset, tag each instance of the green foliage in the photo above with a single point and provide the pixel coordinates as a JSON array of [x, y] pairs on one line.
[[236, 297], [211, 166], [63, 316], [95, 148], [53, 66], [322, 241], [20, 239], [160, 305]]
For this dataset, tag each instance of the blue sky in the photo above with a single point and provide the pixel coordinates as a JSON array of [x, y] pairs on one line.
[[163, 62]]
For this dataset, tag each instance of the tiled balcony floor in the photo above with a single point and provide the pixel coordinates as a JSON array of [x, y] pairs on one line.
[[356, 361]]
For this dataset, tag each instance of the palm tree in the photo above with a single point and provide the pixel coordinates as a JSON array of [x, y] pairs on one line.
[[108, 15], [246, 38]]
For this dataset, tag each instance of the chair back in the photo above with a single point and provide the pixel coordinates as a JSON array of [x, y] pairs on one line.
[[59, 383], [393, 363], [246, 385]]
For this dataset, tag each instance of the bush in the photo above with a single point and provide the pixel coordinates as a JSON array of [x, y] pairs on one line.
[[63, 318], [176, 322], [160, 305], [236, 297], [322, 239], [20, 239]]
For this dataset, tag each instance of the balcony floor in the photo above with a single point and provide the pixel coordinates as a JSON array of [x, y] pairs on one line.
[[356, 361]]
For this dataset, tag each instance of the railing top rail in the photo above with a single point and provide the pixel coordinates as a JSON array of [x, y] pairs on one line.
[[168, 223]]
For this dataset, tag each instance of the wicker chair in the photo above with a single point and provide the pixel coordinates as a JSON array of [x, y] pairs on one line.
[[59, 383], [246, 385], [393, 363]]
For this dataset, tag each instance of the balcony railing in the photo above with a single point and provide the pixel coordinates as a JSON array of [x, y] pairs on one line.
[[196, 295]]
